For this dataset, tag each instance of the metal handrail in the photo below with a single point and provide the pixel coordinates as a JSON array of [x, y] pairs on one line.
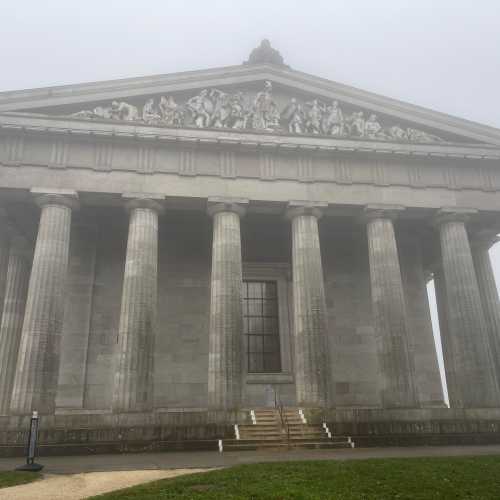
[[283, 418]]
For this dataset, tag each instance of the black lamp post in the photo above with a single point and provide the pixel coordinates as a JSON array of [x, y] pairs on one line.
[[30, 464]]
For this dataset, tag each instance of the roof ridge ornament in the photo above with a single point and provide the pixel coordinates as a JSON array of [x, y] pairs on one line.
[[265, 54]]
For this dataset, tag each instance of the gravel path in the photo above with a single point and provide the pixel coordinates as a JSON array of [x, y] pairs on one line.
[[77, 486]]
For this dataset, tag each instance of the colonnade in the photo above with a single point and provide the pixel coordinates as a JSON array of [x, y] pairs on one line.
[[31, 325]]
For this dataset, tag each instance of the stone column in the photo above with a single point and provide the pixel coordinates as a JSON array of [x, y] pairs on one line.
[[475, 384], [5, 234], [312, 370], [446, 344], [226, 317], [35, 383], [389, 309], [134, 368], [422, 347], [481, 243], [12, 319]]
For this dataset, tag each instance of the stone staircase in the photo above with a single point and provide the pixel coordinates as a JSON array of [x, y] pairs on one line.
[[269, 430]]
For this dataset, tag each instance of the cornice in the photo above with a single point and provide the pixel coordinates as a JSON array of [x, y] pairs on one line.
[[43, 124], [83, 92]]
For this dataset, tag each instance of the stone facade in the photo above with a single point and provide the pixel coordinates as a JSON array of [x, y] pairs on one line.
[[193, 267]]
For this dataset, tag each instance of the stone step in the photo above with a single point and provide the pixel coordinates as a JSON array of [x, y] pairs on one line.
[[281, 437], [300, 428], [258, 424], [304, 428], [276, 435], [260, 427], [279, 445], [275, 428], [256, 435], [275, 431], [294, 437], [249, 439], [256, 432], [272, 425], [307, 433]]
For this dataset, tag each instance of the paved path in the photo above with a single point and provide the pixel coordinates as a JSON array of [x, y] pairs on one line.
[[84, 485], [208, 459]]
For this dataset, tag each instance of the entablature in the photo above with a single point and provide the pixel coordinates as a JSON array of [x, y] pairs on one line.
[[42, 124]]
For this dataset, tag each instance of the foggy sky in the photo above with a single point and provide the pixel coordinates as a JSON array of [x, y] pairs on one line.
[[441, 54]]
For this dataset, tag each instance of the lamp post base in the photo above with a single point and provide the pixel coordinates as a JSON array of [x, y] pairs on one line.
[[34, 467]]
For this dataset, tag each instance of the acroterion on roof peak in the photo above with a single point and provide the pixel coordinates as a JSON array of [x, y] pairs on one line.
[[265, 54]]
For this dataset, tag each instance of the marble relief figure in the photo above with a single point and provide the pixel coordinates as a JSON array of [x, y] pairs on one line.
[[213, 108], [314, 117], [150, 113], [333, 120], [170, 112], [293, 117]]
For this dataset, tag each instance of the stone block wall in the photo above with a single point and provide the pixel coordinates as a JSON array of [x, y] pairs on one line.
[[351, 338]]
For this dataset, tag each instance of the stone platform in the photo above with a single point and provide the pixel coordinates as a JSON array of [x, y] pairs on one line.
[[416, 427], [96, 433]]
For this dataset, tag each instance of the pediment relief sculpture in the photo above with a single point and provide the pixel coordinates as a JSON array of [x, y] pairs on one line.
[[212, 108]]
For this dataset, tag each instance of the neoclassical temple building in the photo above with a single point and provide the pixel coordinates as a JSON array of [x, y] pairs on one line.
[[177, 250]]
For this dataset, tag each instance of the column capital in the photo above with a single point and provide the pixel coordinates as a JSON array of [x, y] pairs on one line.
[[453, 214], [48, 196], [143, 200], [297, 207], [381, 211], [218, 204]]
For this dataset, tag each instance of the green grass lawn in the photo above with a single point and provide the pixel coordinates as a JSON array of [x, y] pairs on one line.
[[11, 478], [384, 479]]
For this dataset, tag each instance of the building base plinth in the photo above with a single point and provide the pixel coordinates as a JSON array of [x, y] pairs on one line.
[[78, 433]]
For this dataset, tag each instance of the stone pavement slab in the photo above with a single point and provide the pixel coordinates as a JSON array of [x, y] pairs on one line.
[[210, 459]]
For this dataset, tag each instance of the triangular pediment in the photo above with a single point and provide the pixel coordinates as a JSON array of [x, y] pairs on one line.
[[262, 98]]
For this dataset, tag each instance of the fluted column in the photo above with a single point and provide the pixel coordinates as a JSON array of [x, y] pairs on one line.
[[12, 319], [226, 317], [312, 370], [5, 235], [452, 384], [35, 383], [389, 309], [422, 347], [474, 383], [133, 384], [481, 243]]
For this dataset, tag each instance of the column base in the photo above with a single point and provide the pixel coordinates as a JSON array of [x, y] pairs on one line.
[[34, 467]]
